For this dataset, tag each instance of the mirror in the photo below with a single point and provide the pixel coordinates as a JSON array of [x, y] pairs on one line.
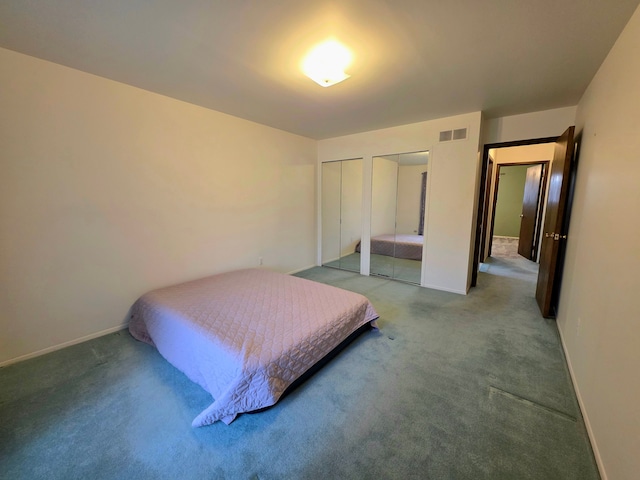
[[342, 214], [397, 215]]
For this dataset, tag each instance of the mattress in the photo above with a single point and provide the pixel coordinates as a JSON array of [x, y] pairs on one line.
[[398, 246], [245, 336]]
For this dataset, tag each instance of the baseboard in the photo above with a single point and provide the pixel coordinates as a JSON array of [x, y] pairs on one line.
[[62, 345], [585, 415], [44, 351], [301, 269], [442, 289]]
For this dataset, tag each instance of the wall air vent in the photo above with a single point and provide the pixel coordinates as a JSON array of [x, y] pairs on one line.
[[446, 135], [460, 134]]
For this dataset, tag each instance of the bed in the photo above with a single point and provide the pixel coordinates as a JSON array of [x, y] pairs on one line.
[[395, 245], [245, 336]]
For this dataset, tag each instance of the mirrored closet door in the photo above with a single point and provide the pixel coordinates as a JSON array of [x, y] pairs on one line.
[[397, 215], [342, 214]]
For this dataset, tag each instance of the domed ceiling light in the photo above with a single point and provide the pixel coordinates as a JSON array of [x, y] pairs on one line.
[[325, 63]]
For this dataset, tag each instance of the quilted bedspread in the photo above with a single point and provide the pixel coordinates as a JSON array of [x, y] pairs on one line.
[[398, 246], [245, 336]]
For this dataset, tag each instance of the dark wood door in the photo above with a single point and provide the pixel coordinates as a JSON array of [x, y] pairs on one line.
[[529, 216], [485, 210], [494, 202], [547, 287]]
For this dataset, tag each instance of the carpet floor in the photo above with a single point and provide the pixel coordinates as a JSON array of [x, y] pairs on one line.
[[382, 265], [505, 247], [451, 387]]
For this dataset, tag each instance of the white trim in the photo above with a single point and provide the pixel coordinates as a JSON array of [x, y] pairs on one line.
[[442, 289], [292, 272], [583, 410], [63, 345], [318, 211], [101, 333], [329, 260]]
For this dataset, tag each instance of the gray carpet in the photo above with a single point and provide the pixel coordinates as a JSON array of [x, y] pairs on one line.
[[451, 387], [505, 247], [383, 265]]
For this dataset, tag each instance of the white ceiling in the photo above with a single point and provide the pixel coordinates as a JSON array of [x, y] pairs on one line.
[[415, 60]]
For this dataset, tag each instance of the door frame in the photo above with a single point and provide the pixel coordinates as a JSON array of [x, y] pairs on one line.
[[482, 192], [540, 209], [494, 201], [485, 208]]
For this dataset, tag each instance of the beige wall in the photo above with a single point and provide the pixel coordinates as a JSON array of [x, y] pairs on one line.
[[107, 191], [599, 311], [451, 190], [544, 124]]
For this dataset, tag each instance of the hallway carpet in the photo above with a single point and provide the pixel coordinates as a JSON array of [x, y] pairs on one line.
[[451, 387]]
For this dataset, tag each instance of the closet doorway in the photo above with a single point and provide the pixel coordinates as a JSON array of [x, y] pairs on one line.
[[399, 193], [342, 213]]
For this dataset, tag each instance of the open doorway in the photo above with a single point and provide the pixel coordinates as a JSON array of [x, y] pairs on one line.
[[516, 189], [517, 208], [557, 206], [497, 157]]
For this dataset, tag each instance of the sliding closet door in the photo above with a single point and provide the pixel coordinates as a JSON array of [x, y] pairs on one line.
[[412, 176], [397, 215], [383, 215], [342, 214], [351, 214], [331, 191]]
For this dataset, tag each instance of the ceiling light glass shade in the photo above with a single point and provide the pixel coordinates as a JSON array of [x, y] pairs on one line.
[[325, 63]]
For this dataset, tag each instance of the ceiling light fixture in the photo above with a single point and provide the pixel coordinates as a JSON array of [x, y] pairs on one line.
[[326, 62]]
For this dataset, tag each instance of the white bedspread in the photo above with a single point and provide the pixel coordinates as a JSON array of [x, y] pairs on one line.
[[245, 336]]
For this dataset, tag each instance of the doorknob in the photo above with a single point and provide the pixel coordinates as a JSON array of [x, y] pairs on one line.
[[522, 215], [555, 236]]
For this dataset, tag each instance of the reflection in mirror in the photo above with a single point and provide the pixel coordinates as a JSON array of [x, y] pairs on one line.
[[342, 214], [331, 186], [351, 214], [397, 215]]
